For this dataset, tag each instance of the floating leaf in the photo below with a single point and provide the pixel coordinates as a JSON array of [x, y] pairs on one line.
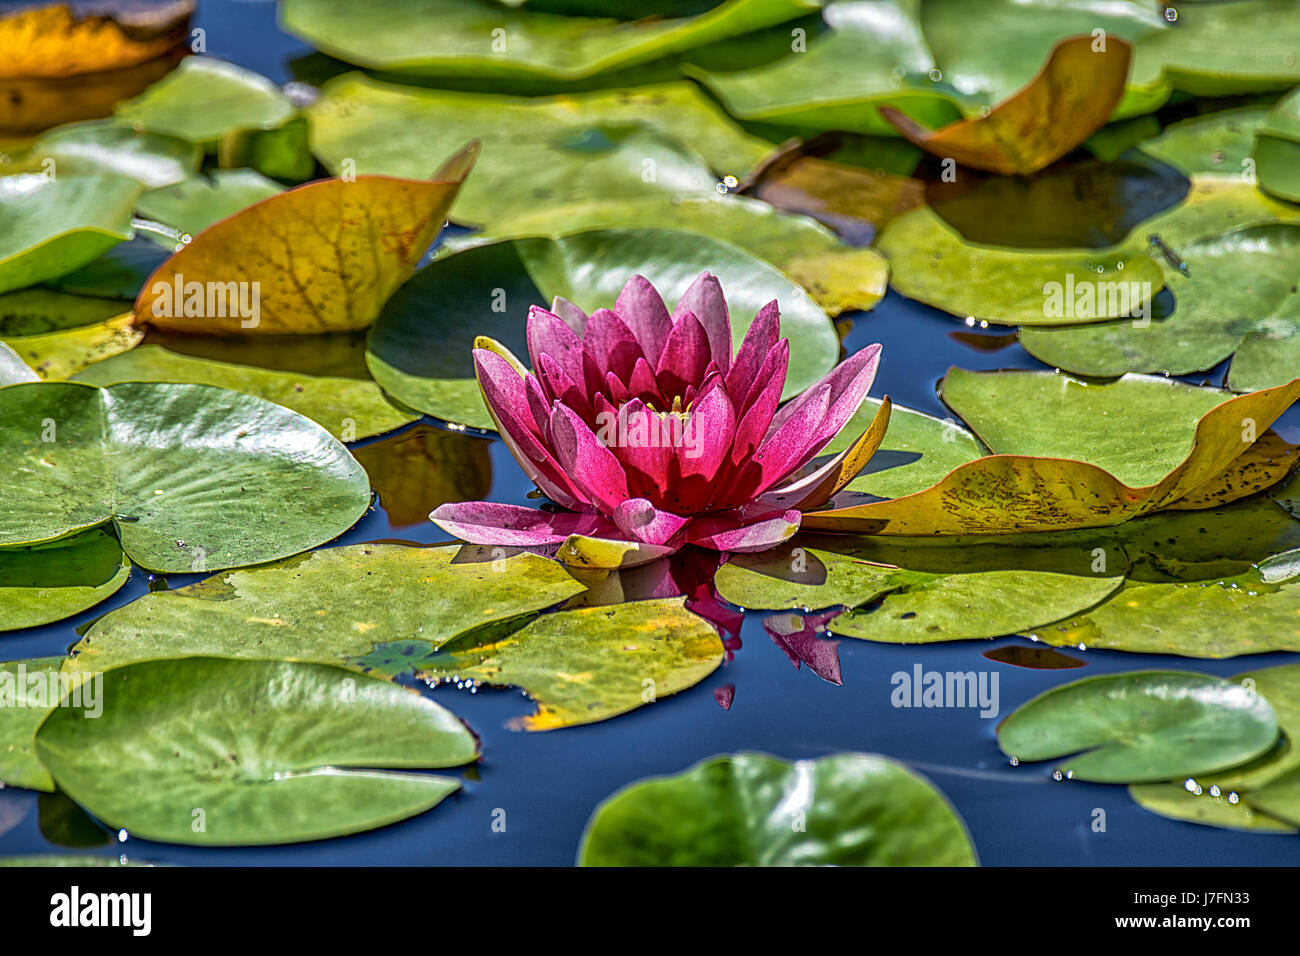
[[232, 98], [929, 261], [24, 689], [349, 407], [63, 823], [650, 141], [420, 349], [589, 664], [873, 55], [202, 201], [48, 227], [151, 159], [1142, 727], [1223, 809], [1217, 315], [1069, 100], [1218, 142], [1045, 477], [838, 277], [415, 472], [1277, 149], [191, 477], [53, 581], [748, 809], [486, 40], [268, 752], [119, 273], [333, 606], [57, 334], [323, 257]]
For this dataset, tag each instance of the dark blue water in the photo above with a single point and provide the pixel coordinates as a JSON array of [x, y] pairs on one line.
[[548, 783]]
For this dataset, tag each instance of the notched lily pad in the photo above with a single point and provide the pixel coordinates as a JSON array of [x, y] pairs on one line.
[[53, 581], [225, 753], [1142, 727], [589, 664]]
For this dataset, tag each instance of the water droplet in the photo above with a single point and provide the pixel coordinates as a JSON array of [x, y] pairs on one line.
[[936, 75]]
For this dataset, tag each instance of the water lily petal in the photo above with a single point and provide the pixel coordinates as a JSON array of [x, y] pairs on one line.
[[685, 357], [784, 449], [848, 384], [610, 344], [706, 439], [506, 397], [704, 299], [643, 385], [734, 531], [591, 466], [644, 312], [640, 446], [759, 341], [573, 316], [641, 521], [761, 405], [487, 522], [824, 483], [557, 386], [548, 334]]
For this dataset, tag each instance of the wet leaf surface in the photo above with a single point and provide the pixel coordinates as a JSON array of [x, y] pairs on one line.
[[50, 582]]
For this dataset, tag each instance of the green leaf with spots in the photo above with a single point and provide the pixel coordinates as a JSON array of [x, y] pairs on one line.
[[667, 140], [1142, 727], [53, 581], [839, 277], [233, 100], [49, 227], [349, 407], [1218, 314], [930, 261], [267, 752], [332, 606], [420, 349], [482, 39], [751, 810], [25, 700], [58, 334], [589, 664], [192, 477]]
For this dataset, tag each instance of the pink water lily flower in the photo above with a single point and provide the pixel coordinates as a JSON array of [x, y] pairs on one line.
[[651, 434]]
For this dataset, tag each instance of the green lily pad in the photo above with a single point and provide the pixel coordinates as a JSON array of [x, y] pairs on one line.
[[191, 477], [53, 581], [49, 227], [332, 606], [199, 201], [1198, 804], [233, 99], [479, 38], [588, 664], [651, 141], [1142, 727], [63, 823], [751, 810], [838, 276], [54, 859], [119, 273], [1216, 315], [24, 688], [420, 348], [57, 334], [349, 408], [1277, 149], [1218, 142], [13, 369], [873, 55], [1024, 413], [219, 753], [152, 159], [930, 261]]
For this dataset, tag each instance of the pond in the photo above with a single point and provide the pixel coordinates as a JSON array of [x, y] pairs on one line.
[[528, 800]]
